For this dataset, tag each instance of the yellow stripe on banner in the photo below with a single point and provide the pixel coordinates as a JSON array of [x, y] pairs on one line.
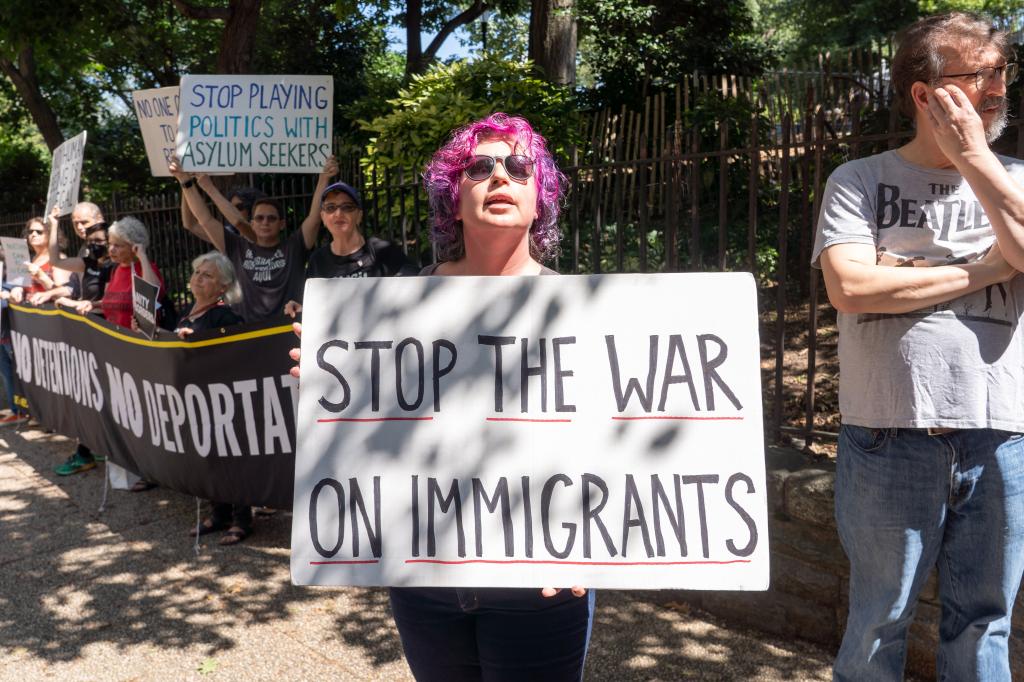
[[232, 338]]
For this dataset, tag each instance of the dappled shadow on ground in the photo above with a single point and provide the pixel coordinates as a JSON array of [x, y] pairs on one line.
[[71, 576], [638, 637], [368, 624]]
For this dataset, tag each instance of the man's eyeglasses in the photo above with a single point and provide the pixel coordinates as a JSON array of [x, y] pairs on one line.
[[481, 166], [984, 75], [344, 208], [265, 218]]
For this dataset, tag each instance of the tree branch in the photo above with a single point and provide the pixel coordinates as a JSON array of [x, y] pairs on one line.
[[190, 11], [472, 13], [23, 76]]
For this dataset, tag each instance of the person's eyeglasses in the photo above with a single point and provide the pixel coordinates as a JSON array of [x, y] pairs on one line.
[[344, 208], [36, 232], [265, 218], [984, 75], [481, 166]]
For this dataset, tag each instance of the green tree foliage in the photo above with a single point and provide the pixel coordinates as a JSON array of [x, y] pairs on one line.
[[803, 28], [630, 48], [450, 95]]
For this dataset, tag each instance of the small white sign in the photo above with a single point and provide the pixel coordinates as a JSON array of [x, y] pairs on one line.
[[256, 124], [157, 112], [16, 259], [66, 175], [603, 431]]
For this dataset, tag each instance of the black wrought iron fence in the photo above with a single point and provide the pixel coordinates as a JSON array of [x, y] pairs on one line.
[[691, 206]]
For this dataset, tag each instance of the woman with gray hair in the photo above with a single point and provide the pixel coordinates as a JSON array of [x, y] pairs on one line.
[[127, 241], [214, 285]]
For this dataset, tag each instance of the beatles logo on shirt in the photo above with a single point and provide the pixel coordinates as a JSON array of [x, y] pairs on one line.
[[262, 268], [944, 216]]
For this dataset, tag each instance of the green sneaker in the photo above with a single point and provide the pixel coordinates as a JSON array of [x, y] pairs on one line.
[[99, 458], [75, 464]]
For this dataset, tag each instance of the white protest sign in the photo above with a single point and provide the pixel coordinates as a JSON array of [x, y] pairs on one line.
[[66, 175], [602, 431], [265, 124], [157, 112], [15, 260]]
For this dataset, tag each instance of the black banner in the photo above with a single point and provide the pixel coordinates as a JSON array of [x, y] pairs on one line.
[[212, 417]]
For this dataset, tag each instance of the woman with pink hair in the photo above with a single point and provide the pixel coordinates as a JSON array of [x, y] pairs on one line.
[[494, 193]]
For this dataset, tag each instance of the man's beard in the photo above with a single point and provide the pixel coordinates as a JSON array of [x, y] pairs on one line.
[[995, 127]]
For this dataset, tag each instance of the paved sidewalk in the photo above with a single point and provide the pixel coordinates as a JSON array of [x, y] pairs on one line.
[[120, 595]]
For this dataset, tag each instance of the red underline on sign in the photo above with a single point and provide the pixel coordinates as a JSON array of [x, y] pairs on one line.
[[377, 419], [664, 417], [531, 421], [575, 563], [347, 563]]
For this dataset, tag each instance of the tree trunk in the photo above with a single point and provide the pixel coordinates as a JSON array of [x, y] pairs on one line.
[[240, 19], [23, 75], [553, 39], [239, 37], [413, 42]]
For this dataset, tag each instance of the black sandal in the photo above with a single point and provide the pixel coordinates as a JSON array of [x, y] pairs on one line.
[[206, 527], [233, 536]]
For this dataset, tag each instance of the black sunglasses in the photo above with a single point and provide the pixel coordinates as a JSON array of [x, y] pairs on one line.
[[481, 166]]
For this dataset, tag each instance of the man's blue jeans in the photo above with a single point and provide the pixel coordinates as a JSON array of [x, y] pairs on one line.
[[906, 500]]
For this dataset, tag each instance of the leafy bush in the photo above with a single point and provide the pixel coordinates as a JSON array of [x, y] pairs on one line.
[[450, 95]]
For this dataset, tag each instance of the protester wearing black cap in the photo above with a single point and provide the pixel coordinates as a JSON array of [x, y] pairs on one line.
[[271, 270], [350, 254]]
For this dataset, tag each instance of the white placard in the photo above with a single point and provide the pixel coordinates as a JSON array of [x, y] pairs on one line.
[[15, 261], [264, 124], [157, 112], [66, 175], [600, 430]]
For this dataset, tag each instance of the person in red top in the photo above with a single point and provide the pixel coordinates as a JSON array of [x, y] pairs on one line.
[[127, 241]]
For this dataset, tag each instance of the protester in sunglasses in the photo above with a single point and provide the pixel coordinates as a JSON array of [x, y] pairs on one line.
[[495, 194], [271, 270], [488, 220], [349, 254], [47, 282]]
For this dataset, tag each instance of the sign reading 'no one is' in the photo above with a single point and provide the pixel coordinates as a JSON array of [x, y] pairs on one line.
[[530, 431]]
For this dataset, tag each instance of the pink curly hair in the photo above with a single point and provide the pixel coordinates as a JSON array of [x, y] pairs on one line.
[[443, 172]]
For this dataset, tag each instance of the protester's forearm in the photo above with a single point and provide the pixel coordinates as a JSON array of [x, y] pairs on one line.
[[148, 273], [862, 288], [311, 225], [1003, 201], [213, 229]]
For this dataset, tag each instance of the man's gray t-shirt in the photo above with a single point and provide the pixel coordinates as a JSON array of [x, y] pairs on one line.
[[959, 364]]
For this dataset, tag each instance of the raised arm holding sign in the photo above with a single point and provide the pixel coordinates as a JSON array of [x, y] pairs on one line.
[[66, 175]]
